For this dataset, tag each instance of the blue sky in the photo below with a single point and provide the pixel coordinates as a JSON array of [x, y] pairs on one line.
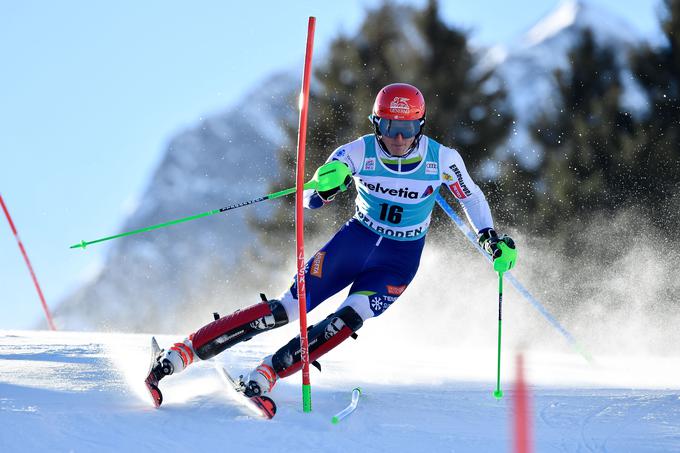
[[92, 92]]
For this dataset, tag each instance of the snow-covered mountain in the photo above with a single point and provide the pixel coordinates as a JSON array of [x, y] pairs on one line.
[[527, 65], [152, 280]]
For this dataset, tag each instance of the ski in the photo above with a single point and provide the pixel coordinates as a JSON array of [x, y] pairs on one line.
[[263, 404], [151, 380]]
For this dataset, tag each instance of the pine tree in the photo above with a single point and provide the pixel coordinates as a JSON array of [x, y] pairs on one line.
[[586, 166], [599, 158], [658, 159]]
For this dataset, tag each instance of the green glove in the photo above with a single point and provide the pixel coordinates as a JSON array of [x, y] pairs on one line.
[[502, 249], [508, 256], [331, 178]]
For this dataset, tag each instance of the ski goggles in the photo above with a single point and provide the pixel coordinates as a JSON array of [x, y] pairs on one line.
[[392, 128]]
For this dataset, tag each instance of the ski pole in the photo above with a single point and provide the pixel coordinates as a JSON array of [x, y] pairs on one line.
[[498, 393], [328, 176], [356, 393], [505, 259]]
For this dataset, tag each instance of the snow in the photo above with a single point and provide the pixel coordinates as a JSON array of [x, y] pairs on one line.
[[581, 14], [549, 26], [81, 392]]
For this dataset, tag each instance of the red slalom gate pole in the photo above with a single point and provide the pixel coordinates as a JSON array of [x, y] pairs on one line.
[[523, 441], [299, 219], [28, 264]]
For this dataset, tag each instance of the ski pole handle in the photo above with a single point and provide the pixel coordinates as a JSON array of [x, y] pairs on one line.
[[506, 257], [330, 176], [356, 393]]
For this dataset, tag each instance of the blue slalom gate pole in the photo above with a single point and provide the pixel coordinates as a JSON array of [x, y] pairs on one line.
[[472, 237]]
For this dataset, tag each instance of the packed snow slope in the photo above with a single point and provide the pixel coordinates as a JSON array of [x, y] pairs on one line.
[[83, 392]]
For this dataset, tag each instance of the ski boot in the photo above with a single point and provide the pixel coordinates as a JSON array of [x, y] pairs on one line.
[[260, 381], [165, 363]]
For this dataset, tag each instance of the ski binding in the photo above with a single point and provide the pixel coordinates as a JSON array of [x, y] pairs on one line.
[[263, 404]]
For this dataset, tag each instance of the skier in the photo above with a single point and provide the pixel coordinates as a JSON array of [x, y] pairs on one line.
[[397, 170]]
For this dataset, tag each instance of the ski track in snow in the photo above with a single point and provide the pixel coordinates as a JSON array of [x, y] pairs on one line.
[[83, 392]]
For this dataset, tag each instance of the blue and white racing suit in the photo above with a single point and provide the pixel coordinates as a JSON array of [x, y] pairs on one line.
[[378, 251]]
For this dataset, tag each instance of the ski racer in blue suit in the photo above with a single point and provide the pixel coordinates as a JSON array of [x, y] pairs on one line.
[[397, 171]]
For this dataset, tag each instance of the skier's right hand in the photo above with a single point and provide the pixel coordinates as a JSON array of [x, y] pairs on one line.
[[328, 195]]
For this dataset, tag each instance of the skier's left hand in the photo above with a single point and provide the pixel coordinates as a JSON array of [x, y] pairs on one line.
[[489, 240]]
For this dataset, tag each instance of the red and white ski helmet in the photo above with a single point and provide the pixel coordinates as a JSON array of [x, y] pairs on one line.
[[399, 101]]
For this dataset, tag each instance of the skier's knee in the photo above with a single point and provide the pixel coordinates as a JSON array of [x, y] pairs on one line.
[[239, 326], [322, 337], [369, 306], [290, 304], [350, 317]]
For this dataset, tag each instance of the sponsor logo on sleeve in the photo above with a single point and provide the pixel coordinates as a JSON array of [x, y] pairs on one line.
[[341, 153], [395, 290], [431, 168], [457, 191], [447, 177], [369, 164], [460, 184], [317, 264]]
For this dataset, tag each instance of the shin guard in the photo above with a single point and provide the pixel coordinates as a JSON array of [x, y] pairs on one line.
[[239, 326], [322, 337]]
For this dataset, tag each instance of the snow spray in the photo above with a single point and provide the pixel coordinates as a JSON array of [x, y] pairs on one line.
[[520, 288]]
